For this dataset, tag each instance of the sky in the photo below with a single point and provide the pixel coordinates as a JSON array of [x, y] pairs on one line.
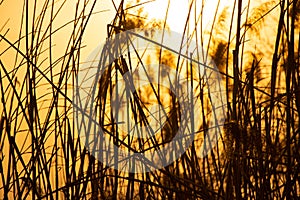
[[104, 12]]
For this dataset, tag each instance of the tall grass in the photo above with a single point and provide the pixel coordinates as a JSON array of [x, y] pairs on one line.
[[257, 156]]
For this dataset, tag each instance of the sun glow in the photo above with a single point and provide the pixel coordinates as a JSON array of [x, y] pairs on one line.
[[178, 12]]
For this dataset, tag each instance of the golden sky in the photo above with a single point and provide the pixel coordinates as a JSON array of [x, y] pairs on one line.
[[104, 11]]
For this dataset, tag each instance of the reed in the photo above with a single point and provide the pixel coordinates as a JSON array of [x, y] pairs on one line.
[[257, 156]]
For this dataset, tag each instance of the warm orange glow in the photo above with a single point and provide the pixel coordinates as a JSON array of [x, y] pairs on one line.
[[178, 12]]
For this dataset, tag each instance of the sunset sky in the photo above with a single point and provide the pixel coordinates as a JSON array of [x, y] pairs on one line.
[[104, 12]]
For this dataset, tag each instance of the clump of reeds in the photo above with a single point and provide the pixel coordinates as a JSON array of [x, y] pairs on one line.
[[257, 156]]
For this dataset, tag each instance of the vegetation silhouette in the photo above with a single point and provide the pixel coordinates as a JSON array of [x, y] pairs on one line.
[[257, 156]]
